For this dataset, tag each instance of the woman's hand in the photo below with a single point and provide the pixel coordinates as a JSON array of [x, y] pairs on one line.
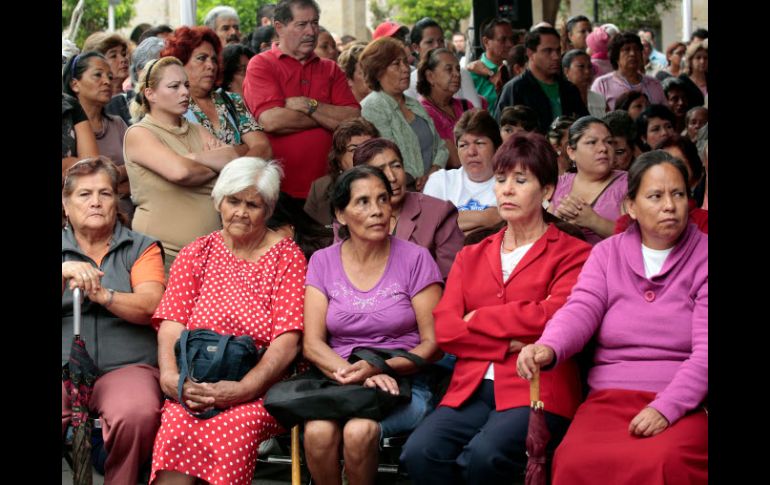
[[356, 373], [532, 357], [384, 382], [570, 208], [648, 422], [168, 384], [81, 275], [221, 395], [515, 346], [212, 143]]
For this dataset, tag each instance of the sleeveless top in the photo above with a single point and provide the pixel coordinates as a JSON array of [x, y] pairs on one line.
[[174, 214]]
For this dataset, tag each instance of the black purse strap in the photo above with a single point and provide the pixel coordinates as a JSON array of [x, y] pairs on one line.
[[374, 356]]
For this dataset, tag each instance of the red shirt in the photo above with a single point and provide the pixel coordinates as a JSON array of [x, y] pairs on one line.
[[273, 76]]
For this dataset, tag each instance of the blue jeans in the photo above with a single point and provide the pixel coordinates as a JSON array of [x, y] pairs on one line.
[[406, 417]]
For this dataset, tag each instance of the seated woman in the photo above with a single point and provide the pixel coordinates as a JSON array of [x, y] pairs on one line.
[[625, 143], [346, 138], [654, 125], [121, 274], [223, 114], [514, 119], [242, 280], [88, 79], [499, 295], [470, 187], [172, 164], [558, 137], [397, 116], [424, 220], [643, 297], [634, 102], [438, 80], [590, 197], [370, 290]]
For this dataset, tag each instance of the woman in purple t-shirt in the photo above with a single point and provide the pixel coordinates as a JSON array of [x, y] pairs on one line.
[[369, 290]]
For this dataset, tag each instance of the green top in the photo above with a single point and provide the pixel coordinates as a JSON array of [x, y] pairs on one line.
[[483, 85], [552, 91]]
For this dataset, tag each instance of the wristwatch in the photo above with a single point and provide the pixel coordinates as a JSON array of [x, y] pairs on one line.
[[312, 105]]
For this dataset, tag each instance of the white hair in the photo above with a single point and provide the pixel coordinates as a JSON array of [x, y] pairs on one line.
[[221, 11], [246, 172]]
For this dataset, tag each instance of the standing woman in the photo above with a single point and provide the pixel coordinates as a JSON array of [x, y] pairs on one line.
[[171, 163], [696, 71], [114, 48], [397, 116], [438, 80], [88, 78], [419, 218], [675, 57], [577, 29], [223, 114], [590, 197]]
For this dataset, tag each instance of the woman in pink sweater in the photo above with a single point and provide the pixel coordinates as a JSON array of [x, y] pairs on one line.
[[643, 296]]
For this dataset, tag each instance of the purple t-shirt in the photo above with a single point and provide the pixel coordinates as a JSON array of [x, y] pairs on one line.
[[383, 316], [606, 205]]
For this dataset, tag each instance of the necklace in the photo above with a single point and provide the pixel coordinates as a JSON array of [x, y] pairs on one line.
[[447, 109]]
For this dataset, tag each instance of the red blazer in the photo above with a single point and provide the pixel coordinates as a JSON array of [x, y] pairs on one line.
[[517, 309]]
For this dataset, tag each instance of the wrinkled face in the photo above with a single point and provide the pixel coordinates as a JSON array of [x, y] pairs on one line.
[[520, 196], [546, 60], [228, 30], [92, 204], [577, 36], [172, 93], [660, 206], [299, 37], [697, 121], [346, 162], [579, 71], [595, 152], [94, 86], [637, 106], [389, 162], [358, 84], [476, 152], [117, 57], [677, 101], [243, 214], [658, 129], [367, 215], [202, 67], [624, 153], [497, 47], [459, 42], [236, 85], [432, 38], [630, 59], [395, 79], [700, 61], [327, 47], [446, 75]]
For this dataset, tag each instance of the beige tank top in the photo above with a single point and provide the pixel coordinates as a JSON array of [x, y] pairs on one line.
[[174, 214]]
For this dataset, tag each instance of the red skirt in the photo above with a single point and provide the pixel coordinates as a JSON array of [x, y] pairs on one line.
[[599, 449]]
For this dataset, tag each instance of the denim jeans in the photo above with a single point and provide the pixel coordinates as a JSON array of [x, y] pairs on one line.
[[406, 417]]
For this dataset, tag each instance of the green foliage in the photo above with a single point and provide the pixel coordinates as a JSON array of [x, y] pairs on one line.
[[247, 11], [447, 13], [379, 13], [633, 14], [95, 16]]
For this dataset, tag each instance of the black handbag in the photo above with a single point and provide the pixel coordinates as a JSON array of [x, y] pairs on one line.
[[313, 395], [206, 356]]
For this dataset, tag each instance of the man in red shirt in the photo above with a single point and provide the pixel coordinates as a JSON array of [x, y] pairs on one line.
[[297, 97]]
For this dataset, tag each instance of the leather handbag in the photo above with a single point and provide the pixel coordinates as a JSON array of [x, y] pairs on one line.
[[206, 356], [313, 395]]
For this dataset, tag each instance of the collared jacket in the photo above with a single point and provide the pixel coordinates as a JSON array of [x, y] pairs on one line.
[[382, 111], [524, 89], [515, 309], [112, 342]]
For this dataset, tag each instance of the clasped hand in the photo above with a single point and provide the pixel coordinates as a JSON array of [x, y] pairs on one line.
[[202, 396], [366, 374]]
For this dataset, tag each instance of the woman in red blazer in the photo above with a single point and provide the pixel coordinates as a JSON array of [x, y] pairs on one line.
[[499, 295]]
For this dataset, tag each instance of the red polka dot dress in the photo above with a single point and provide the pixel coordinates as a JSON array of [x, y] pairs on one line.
[[211, 288]]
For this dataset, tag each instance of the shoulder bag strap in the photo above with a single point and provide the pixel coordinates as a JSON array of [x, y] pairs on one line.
[[604, 189], [374, 357]]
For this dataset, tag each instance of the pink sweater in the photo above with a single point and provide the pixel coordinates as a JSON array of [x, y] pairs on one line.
[[652, 334]]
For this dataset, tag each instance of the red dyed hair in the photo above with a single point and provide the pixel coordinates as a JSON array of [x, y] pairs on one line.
[[186, 39]]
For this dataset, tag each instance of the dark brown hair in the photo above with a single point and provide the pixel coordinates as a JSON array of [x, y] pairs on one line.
[[478, 122], [371, 148], [376, 58]]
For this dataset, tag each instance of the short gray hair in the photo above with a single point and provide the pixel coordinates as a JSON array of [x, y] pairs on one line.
[[221, 11], [246, 172], [146, 51]]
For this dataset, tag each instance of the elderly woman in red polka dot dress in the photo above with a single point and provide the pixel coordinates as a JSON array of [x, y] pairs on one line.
[[242, 280]]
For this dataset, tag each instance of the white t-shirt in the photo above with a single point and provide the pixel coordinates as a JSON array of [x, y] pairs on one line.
[[467, 88], [509, 262], [455, 186], [654, 260]]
